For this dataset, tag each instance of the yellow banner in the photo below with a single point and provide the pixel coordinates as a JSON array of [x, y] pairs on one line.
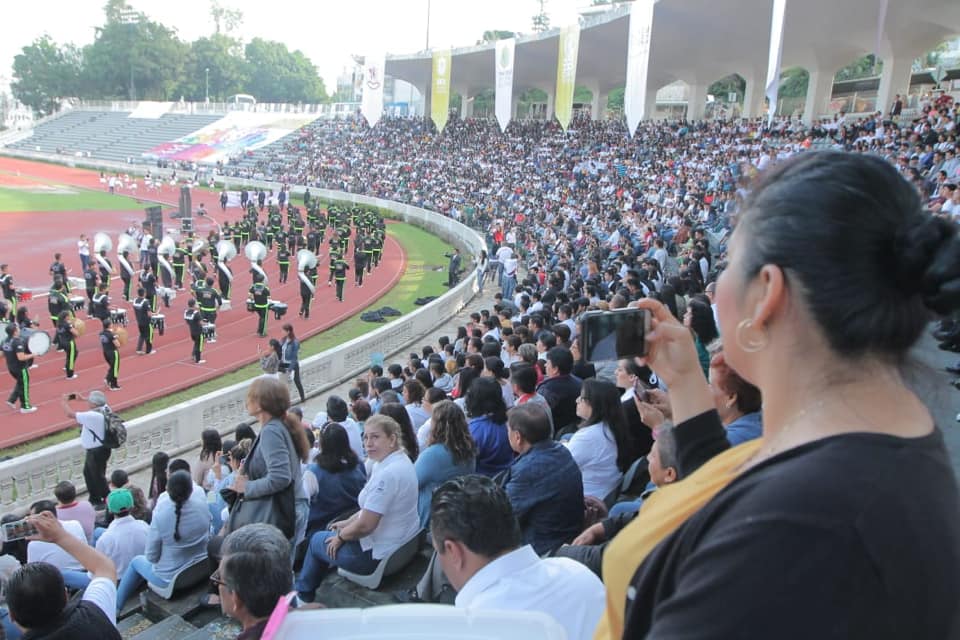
[[566, 74], [440, 89]]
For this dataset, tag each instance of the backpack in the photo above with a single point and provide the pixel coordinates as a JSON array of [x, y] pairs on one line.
[[114, 430]]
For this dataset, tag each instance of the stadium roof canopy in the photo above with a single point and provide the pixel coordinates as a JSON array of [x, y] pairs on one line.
[[701, 41]]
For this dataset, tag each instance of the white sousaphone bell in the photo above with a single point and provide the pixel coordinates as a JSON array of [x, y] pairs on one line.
[[256, 251], [102, 243], [306, 259], [226, 251], [126, 243]]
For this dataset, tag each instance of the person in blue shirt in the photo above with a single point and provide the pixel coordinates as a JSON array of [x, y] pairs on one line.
[[487, 412], [450, 452], [738, 402], [335, 478]]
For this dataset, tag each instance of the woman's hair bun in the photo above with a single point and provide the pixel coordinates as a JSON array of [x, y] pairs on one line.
[[927, 255]]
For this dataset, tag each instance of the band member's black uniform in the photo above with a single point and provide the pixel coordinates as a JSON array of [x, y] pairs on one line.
[[359, 263], [6, 286], [148, 281], [67, 340], [111, 354], [195, 321], [179, 262], [209, 302], [59, 270], [105, 267], [18, 365], [125, 276], [283, 260], [257, 273], [261, 301], [142, 311], [101, 303], [90, 279], [57, 302], [306, 295], [340, 268]]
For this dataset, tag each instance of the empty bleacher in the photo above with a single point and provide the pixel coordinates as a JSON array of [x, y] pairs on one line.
[[110, 135]]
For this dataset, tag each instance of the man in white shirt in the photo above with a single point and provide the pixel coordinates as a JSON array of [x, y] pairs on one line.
[[92, 432], [477, 540], [126, 537], [40, 551]]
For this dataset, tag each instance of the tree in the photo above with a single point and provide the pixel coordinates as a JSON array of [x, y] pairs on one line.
[[492, 35], [43, 72], [863, 67], [228, 70], [279, 75], [541, 21], [225, 20], [793, 83], [729, 84]]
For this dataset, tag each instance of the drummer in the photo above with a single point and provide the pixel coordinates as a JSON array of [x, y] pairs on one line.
[[6, 287], [195, 321], [143, 311], [67, 340], [111, 353], [90, 278], [101, 303], [58, 269], [15, 351], [57, 302]]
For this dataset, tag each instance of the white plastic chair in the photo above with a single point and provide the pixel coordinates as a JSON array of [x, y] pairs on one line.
[[387, 566]]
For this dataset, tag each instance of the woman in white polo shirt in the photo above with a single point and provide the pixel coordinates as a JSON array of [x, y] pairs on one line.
[[598, 445], [387, 518]]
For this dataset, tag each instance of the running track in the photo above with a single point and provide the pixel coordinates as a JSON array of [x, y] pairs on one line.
[[31, 239]]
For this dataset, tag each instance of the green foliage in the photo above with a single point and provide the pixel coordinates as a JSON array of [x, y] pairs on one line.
[[492, 35], [793, 83], [225, 19], [615, 99], [484, 102], [279, 75], [730, 84], [541, 21], [582, 95], [229, 71], [863, 67], [43, 72]]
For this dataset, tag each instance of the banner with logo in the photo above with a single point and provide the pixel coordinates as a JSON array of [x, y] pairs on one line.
[[566, 74], [773, 64], [638, 59], [440, 89], [503, 79], [371, 105]]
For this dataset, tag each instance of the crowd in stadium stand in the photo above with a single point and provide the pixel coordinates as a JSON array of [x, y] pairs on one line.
[[798, 494]]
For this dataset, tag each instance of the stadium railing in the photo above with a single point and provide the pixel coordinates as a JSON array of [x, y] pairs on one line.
[[176, 429]]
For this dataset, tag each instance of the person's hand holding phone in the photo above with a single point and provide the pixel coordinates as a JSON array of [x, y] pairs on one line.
[[48, 527]]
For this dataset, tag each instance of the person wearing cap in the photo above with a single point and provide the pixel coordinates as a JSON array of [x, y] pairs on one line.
[[92, 432], [125, 537]]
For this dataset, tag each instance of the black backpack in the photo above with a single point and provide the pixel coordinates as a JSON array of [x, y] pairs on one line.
[[114, 430]]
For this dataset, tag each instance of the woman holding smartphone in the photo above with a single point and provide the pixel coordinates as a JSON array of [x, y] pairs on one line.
[[290, 358]]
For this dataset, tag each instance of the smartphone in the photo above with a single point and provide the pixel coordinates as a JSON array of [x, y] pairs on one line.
[[612, 335], [18, 530], [72, 396], [641, 392]]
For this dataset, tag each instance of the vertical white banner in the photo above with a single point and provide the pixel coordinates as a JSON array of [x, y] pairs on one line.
[[503, 80], [638, 59], [773, 64], [566, 74], [372, 103]]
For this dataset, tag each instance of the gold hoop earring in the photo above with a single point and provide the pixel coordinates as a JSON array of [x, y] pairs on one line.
[[750, 344]]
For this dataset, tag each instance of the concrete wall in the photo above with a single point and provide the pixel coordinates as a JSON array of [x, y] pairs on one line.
[[176, 429]]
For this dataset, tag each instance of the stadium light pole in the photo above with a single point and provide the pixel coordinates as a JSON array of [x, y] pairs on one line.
[[131, 18], [428, 25], [206, 71]]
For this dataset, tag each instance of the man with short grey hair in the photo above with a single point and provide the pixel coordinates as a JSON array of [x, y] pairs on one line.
[[254, 573], [92, 432]]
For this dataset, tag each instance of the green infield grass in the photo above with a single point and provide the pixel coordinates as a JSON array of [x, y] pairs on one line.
[[51, 197]]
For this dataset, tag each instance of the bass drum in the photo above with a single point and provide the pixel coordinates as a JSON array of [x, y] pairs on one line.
[[38, 343]]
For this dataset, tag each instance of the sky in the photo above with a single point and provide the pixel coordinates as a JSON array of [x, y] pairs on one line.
[[327, 32]]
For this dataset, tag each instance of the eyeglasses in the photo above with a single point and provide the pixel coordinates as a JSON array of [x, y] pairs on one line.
[[216, 581]]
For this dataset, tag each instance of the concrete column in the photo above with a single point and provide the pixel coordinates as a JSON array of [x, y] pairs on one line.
[[424, 92], [650, 104], [604, 100], [753, 96], [818, 93], [696, 101], [549, 90], [594, 88], [894, 79], [514, 104]]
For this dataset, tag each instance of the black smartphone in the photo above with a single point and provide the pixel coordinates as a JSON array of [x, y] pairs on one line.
[[18, 530], [612, 335], [72, 396]]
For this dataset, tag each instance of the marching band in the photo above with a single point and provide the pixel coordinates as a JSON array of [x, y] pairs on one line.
[[161, 268]]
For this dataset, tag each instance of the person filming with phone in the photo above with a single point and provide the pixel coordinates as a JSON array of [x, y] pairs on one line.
[[92, 433], [37, 598]]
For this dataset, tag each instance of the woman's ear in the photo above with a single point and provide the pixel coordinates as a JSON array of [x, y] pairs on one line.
[[769, 294]]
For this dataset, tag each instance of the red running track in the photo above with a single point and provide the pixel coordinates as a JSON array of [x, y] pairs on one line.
[[31, 239]]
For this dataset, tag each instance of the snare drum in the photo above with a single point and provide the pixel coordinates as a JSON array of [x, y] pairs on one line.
[[250, 305], [208, 330], [158, 322], [24, 295], [77, 302], [118, 316], [279, 308], [38, 343]]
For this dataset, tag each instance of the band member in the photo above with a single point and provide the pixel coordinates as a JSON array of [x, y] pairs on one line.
[[210, 302], [179, 262], [244, 198], [67, 340], [111, 353], [378, 236], [18, 365], [125, 275], [359, 263], [334, 256], [223, 279], [283, 260], [194, 321], [6, 285], [256, 272], [368, 244], [224, 198], [141, 309], [340, 268], [101, 303], [307, 290], [58, 269], [90, 278], [148, 282], [105, 266], [313, 240], [166, 276], [261, 302], [57, 302]]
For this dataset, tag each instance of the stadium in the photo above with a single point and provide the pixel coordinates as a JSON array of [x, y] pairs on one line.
[[603, 330]]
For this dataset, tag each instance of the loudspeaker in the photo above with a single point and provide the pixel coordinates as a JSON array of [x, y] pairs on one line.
[[154, 213], [186, 225], [186, 210]]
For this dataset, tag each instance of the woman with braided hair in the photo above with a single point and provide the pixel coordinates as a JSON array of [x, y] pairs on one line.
[[178, 538]]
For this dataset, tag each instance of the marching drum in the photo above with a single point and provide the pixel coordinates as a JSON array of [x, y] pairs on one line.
[[167, 294], [250, 305], [158, 322], [77, 302], [24, 295], [118, 316], [279, 308], [208, 330], [38, 343], [79, 326], [121, 334]]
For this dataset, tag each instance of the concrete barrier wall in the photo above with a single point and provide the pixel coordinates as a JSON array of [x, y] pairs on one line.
[[32, 476]]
